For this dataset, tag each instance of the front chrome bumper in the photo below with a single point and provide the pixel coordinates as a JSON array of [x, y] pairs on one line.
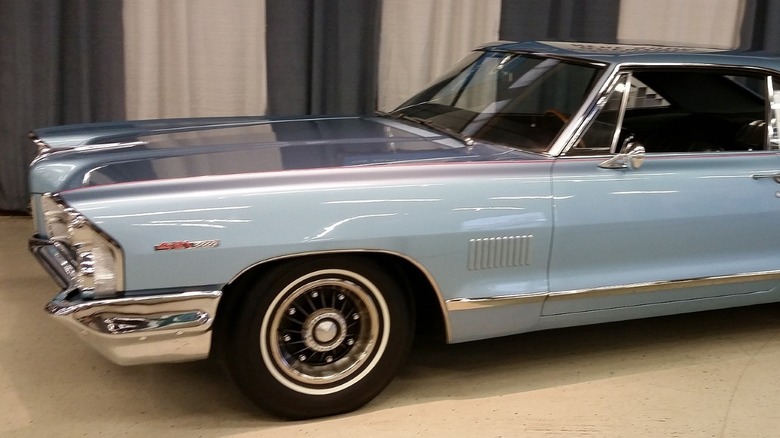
[[169, 327]]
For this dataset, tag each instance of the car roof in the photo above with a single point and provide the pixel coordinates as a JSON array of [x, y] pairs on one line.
[[607, 53]]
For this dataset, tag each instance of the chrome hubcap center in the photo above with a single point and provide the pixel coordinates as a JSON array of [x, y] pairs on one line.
[[324, 330]]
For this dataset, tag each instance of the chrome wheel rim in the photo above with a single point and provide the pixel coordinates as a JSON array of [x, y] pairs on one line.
[[324, 332]]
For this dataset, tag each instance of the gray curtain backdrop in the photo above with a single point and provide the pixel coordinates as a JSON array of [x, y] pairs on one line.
[[322, 55], [566, 20], [61, 61], [760, 29]]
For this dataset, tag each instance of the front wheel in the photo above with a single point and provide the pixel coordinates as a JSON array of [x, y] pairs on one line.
[[319, 337]]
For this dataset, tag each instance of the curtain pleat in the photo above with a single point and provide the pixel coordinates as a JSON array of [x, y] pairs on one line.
[[189, 58], [567, 20], [322, 56], [422, 40], [60, 62], [761, 25], [69, 61], [698, 23]]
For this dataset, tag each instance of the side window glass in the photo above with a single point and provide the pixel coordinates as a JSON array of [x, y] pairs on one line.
[[642, 96], [686, 110], [697, 110]]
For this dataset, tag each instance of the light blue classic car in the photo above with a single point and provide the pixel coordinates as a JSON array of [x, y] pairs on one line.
[[536, 185]]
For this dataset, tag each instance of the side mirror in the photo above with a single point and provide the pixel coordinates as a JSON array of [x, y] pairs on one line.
[[631, 156]]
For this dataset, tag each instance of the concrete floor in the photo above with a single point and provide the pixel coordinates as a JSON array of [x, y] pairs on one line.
[[714, 374]]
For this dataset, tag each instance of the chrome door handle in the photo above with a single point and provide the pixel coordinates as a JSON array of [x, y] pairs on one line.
[[774, 176]]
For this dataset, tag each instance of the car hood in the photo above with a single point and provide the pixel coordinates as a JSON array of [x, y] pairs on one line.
[[110, 153]]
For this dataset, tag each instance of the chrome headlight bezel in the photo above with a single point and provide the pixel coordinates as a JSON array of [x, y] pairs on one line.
[[98, 259]]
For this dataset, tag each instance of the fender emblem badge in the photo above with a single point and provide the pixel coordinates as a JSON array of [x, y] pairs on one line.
[[186, 244]]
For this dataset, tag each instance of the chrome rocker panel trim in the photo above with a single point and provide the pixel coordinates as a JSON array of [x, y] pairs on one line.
[[150, 329], [459, 304]]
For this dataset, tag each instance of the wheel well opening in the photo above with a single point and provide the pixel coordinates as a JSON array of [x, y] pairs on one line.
[[429, 319]]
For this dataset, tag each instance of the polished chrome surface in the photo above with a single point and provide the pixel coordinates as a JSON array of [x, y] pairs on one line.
[[55, 259], [662, 286], [172, 327], [187, 244], [499, 252], [631, 158], [458, 304], [648, 287], [322, 329], [117, 324], [95, 261], [622, 110], [580, 121], [635, 154], [43, 149], [329, 321], [772, 176]]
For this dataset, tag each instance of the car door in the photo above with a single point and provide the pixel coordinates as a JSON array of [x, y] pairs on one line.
[[698, 220]]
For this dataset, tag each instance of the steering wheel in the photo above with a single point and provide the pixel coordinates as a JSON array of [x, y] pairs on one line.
[[561, 116], [565, 119]]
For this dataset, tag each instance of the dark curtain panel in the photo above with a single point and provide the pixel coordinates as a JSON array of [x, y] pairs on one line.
[[565, 20], [322, 56], [760, 29], [61, 61]]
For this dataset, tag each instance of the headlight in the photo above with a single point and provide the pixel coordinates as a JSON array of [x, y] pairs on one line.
[[98, 258], [56, 217]]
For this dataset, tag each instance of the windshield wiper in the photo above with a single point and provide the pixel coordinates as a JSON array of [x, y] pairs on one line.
[[466, 140]]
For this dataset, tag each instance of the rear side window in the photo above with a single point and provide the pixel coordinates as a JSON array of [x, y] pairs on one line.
[[678, 111]]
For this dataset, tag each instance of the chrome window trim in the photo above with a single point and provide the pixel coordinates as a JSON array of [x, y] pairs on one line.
[[579, 122], [773, 130], [459, 304], [613, 147]]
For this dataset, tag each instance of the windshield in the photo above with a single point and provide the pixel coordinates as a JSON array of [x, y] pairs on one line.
[[515, 100]]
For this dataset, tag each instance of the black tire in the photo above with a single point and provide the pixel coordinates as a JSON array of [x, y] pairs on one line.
[[319, 337]]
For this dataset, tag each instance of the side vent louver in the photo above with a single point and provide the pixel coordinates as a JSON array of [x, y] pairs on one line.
[[499, 252]]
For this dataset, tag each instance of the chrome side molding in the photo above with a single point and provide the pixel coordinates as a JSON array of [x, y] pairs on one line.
[[459, 304]]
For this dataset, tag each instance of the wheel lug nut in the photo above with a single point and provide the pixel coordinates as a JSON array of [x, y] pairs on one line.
[[302, 358], [287, 338], [291, 311], [341, 297], [315, 294], [356, 317]]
